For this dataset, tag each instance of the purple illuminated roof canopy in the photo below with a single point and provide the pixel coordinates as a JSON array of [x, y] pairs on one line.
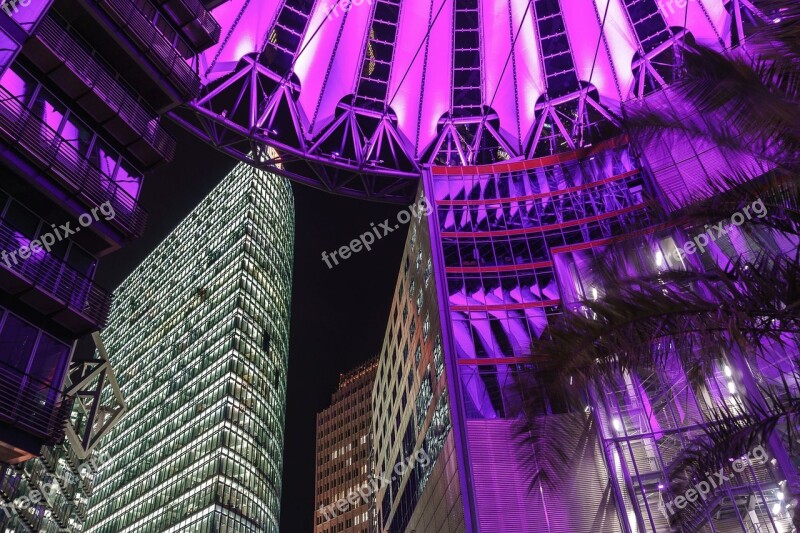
[[356, 96]]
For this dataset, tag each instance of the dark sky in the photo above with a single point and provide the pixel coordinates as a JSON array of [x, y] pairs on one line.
[[338, 316]]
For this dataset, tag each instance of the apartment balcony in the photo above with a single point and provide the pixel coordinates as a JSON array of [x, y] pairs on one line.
[[61, 162], [36, 472], [194, 21], [49, 285], [33, 406], [98, 90], [168, 56]]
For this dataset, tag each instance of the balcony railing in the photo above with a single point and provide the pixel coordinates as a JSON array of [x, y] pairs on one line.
[[33, 405], [97, 76], [50, 274], [61, 160], [153, 44], [199, 18]]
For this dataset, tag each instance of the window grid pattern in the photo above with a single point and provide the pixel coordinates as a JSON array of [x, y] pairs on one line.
[[201, 332]]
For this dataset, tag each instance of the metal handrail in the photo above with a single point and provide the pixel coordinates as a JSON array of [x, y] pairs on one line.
[[32, 404], [18, 125], [96, 75], [200, 13], [207, 20], [153, 43], [53, 275]]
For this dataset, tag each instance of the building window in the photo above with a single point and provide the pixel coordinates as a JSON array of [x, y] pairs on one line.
[[438, 356], [428, 271]]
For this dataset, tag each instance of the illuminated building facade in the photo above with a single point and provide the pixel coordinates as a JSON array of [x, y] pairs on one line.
[[200, 331], [83, 86], [509, 247], [499, 232], [510, 114], [343, 454], [411, 404]]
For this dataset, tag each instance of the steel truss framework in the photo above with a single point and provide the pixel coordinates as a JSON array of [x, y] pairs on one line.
[[565, 89], [99, 403]]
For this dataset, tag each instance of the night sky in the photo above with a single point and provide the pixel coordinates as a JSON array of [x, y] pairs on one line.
[[339, 315]]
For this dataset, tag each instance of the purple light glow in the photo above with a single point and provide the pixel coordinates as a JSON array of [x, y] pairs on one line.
[[406, 67]]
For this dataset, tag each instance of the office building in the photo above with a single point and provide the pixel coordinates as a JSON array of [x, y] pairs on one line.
[[200, 333], [343, 454], [509, 114], [83, 86], [411, 403]]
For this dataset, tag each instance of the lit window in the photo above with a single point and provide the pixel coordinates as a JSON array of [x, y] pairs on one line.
[[428, 271]]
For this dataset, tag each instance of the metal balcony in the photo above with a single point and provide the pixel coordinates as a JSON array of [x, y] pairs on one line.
[[57, 158], [162, 53], [32, 405], [98, 90], [52, 287], [195, 22]]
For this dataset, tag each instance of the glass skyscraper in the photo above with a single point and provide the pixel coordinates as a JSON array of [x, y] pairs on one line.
[[200, 331], [83, 89]]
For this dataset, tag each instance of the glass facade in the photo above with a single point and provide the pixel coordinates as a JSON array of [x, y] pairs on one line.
[[199, 334], [32, 368], [76, 135], [343, 454], [513, 246], [411, 405]]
